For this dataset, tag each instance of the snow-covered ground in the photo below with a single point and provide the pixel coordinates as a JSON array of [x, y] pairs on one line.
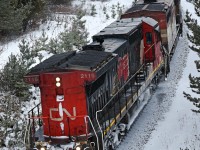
[[167, 122]]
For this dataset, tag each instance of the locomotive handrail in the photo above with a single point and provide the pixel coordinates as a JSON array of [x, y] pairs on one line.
[[79, 116], [100, 126], [38, 117], [86, 116], [96, 91], [97, 112], [94, 131], [122, 87], [34, 108], [149, 48], [126, 82], [120, 91]]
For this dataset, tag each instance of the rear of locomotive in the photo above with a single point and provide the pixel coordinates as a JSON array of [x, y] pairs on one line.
[[63, 118]]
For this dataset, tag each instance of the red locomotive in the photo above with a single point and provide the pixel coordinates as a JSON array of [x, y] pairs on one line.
[[86, 96]]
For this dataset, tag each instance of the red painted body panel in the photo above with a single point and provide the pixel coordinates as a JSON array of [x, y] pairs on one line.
[[74, 103], [152, 52], [123, 68]]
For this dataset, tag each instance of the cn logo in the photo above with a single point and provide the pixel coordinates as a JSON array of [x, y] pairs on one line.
[[56, 110]]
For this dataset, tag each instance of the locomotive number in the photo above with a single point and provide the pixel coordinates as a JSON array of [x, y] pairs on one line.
[[87, 75]]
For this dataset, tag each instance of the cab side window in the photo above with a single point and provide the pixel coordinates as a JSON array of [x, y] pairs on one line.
[[148, 37]]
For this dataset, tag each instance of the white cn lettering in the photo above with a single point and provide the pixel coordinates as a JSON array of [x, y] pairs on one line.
[[60, 108], [54, 110]]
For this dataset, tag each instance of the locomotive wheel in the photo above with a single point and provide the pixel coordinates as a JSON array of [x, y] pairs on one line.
[[126, 118]]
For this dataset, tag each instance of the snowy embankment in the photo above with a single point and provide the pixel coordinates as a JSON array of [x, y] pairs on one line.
[[167, 122]]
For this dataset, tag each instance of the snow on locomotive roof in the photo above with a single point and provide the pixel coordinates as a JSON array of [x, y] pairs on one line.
[[110, 44], [125, 26], [150, 7], [120, 27], [150, 21], [168, 2], [158, 5], [87, 60]]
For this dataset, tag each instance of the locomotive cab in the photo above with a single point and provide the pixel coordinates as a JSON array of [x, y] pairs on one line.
[[152, 42]]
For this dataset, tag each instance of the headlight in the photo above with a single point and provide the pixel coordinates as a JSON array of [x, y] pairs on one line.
[[57, 79], [58, 84], [42, 148], [41, 145], [78, 148]]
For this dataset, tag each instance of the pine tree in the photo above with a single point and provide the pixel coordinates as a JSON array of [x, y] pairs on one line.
[[27, 54], [195, 39], [11, 17], [71, 39], [113, 11], [107, 16], [197, 7], [16, 14], [104, 9], [93, 11], [9, 126], [11, 76], [119, 9], [37, 10]]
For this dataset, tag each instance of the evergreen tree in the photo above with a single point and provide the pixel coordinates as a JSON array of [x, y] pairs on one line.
[[119, 9], [197, 7], [15, 14], [59, 2], [107, 16], [37, 10], [113, 11], [9, 126], [27, 54], [93, 11], [11, 76], [79, 31], [104, 9], [12, 17], [195, 39], [71, 39]]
